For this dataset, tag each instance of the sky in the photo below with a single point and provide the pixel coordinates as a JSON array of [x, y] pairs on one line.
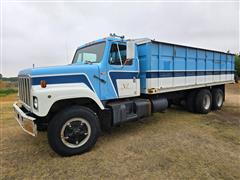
[[47, 34]]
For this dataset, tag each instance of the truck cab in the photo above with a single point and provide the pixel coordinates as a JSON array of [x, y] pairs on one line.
[[100, 72], [115, 76]]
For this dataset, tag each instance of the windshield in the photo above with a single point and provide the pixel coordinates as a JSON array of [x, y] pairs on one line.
[[89, 54]]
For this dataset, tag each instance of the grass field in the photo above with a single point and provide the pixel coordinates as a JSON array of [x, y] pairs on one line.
[[5, 92], [7, 88], [171, 145]]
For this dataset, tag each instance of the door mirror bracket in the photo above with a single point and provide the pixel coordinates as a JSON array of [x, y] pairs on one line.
[[130, 50]]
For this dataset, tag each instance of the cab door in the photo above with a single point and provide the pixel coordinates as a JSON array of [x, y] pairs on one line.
[[122, 73]]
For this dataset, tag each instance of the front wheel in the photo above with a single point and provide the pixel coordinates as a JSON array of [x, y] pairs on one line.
[[73, 131]]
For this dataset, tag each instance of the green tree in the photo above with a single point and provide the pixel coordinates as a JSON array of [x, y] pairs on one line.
[[237, 64]]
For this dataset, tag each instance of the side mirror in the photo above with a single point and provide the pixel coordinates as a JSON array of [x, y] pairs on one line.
[[130, 50]]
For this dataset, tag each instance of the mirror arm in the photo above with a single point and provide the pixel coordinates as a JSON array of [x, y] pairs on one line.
[[119, 55], [127, 60]]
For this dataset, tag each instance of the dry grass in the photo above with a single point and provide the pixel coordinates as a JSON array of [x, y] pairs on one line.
[[171, 145]]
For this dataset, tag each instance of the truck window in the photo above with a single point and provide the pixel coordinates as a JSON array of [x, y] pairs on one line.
[[89, 54], [117, 50]]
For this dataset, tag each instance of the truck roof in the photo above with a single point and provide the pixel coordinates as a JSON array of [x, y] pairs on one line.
[[101, 40]]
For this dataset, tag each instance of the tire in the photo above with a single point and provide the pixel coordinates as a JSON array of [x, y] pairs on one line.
[[42, 124], [203, 101], [42, 127], [176, 102], [217, 98], [169, 103], [81, 126], [190, 101]]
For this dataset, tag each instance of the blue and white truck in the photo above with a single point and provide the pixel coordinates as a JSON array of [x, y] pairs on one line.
[[114, 80]]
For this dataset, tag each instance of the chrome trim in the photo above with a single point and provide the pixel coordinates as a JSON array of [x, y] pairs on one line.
[[25, 105], [24, 89], [21, 118], [78, 144]]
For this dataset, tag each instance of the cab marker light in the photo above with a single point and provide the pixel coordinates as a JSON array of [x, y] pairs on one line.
[[43, 84]]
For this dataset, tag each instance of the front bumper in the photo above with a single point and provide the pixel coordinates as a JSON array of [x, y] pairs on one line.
[[25, 121]]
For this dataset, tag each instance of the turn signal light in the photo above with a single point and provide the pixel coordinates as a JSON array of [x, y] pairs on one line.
[[43, 83]]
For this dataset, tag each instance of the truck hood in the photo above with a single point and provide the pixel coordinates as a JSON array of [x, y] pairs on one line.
[[65, 75], [60, 70]]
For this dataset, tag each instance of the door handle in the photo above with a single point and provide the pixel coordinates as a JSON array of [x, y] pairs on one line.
[[101, 80], [134, 79]]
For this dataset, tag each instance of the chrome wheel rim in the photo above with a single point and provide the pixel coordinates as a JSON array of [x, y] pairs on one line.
[[206, 102], [75, 132], [219, 100]]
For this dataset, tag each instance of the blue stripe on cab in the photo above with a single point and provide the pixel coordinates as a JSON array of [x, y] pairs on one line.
[[62, 80], [121, 75]]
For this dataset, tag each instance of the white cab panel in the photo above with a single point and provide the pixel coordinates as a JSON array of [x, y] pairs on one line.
[[128, 87]]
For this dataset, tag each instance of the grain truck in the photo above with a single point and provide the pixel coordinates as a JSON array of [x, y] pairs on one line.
[[115, 80]]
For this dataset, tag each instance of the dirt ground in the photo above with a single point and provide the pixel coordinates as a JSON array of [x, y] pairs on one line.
[[171, 145]]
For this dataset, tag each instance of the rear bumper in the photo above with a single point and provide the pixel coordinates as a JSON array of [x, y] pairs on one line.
[[25, 121]]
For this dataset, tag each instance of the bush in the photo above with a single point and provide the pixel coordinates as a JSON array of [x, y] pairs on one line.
[[237, 64], [5, 92]]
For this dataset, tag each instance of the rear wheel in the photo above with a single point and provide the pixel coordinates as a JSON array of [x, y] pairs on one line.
[[73, 131], [217, 98], [203, 101]]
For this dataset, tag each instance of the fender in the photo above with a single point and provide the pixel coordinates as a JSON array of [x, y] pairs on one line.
[[53, 93]]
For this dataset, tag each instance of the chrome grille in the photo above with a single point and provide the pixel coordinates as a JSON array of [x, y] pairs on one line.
[[24, 86]]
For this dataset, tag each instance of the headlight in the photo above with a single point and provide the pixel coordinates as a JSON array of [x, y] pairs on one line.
[[35, 102]]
